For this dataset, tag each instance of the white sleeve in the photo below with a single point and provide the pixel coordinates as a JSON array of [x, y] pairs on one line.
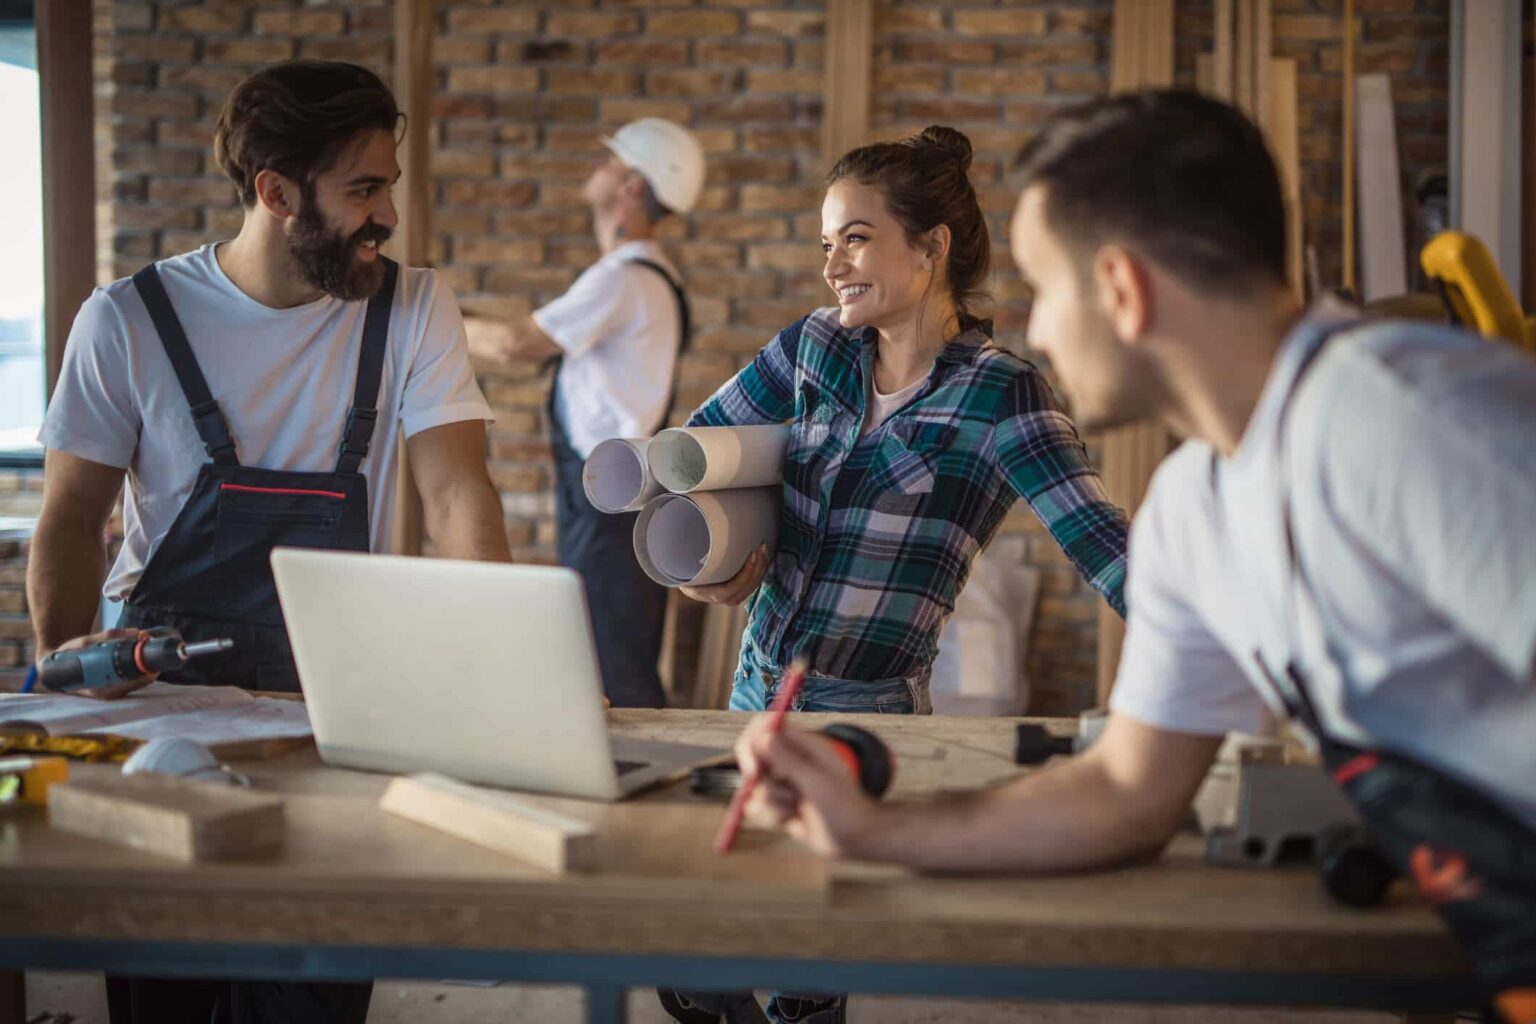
[[588, 311], [1174, 673], [92, 413], [440, 384], [1436, 473]]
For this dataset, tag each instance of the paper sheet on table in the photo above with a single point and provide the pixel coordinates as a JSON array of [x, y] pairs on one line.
[[705, 538], [207, 714], [686, 460], [617, 477]]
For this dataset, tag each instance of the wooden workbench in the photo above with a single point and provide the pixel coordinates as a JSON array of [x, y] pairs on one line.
[[358, 893]]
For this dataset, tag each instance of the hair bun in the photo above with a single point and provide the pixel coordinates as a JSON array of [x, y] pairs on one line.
[[950, 141]]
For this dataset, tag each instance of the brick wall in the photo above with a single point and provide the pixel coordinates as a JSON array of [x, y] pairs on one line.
[[523, 89], [1407, 39], [15, 626]]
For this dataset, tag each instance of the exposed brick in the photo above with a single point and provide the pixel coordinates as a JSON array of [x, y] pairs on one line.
[[466, 49], [894, 18], [589, 82], [367, 52], [206, 20], [907, 79], [138, 159], [647, 53], [791, 80], [689, 83], [504, 194], [945, 51], [463, 163], [13, 601], [615, 112], [591, 24], [493, 79], [521, 20], [787, 22], [299, 22], [691, 24], [743, 51], [218, 191], [157, 47], [1000, 23], [486, 250], [247, 50]]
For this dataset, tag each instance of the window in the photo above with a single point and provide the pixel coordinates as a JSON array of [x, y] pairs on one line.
[[23, 368]]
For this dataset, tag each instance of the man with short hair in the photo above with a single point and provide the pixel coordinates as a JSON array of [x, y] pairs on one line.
[[251, 393], [616, 336], [1345, 538]]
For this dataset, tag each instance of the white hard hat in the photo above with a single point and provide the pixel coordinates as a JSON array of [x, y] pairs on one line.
[[668, 156]]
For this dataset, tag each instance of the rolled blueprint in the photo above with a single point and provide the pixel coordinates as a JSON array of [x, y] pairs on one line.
[[704, 538], [616, 476], [685, 460]]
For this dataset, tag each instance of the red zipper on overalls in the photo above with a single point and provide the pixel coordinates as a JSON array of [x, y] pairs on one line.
[[281, 490]]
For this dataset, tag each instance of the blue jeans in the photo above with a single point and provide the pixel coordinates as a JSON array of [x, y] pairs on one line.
[[757, 682], [753, 689]]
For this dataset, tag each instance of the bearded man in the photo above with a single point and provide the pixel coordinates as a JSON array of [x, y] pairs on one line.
[[252, 393]]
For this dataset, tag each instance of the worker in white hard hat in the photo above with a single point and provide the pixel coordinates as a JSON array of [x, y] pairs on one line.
[[617, 335]]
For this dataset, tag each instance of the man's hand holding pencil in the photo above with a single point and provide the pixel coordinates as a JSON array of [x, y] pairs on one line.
[[796, 781]]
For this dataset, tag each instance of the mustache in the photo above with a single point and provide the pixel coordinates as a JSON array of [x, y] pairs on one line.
[[370, 232]]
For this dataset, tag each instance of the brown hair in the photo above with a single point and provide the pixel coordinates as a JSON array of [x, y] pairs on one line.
[[1186, 178], [297, 118], [925, 183]]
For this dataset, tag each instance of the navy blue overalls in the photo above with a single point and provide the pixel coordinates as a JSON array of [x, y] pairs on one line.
[[210, 576], [628, 607]]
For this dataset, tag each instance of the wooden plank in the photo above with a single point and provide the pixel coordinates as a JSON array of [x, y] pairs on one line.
[[1242, 79], [1141, 55], [168, 816], [1383, 251], [1220, 80], [1485, 120], [849, 62], [1263, 51], [69, 168], [1285, 142], [414, 32], [1348, 176], [496, 819]]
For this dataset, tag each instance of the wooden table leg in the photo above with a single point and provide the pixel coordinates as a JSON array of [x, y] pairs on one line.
[[13, 997]]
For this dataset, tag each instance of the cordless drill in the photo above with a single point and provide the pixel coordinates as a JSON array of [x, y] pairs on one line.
[[117, 661]]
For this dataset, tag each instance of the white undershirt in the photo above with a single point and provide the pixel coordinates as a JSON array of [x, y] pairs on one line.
[[882, 406]]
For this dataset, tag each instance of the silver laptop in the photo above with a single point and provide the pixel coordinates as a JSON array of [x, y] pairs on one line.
[[481, 671]]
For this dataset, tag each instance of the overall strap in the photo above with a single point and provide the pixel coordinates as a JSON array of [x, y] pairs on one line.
[[206, 416], [1289, 682], [358, 433], [684, 324]]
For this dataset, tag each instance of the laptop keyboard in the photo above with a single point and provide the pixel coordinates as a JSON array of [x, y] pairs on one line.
[[625, 767]]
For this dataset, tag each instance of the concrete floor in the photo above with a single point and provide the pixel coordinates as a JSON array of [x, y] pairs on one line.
[[80, 999]]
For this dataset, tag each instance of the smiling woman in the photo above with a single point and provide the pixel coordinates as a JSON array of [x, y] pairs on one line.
[[911, 435]]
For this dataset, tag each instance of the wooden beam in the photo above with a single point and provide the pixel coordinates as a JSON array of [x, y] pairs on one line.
[[1348, 183], [414, 31], [1284, 134], [1141, 55], [13, 997], [1222, 70], [69, 169], [849, 62]]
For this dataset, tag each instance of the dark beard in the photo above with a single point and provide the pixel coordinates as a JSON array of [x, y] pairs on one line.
[[327, 260]]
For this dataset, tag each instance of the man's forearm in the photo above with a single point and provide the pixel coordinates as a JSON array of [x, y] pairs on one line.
[[467, 523], [65, 568], [1071, 816]]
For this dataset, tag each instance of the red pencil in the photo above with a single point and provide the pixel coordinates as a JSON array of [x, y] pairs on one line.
[[788, 688]]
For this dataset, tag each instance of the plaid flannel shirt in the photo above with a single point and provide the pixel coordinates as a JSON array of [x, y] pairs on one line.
[[878, 532]]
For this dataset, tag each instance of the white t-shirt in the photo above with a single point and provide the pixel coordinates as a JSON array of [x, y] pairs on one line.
[[1411, 470], [618, 328], [881, 406], [283, 378]]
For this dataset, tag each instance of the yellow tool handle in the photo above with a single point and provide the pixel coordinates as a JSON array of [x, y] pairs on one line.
[[1474, 288]]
